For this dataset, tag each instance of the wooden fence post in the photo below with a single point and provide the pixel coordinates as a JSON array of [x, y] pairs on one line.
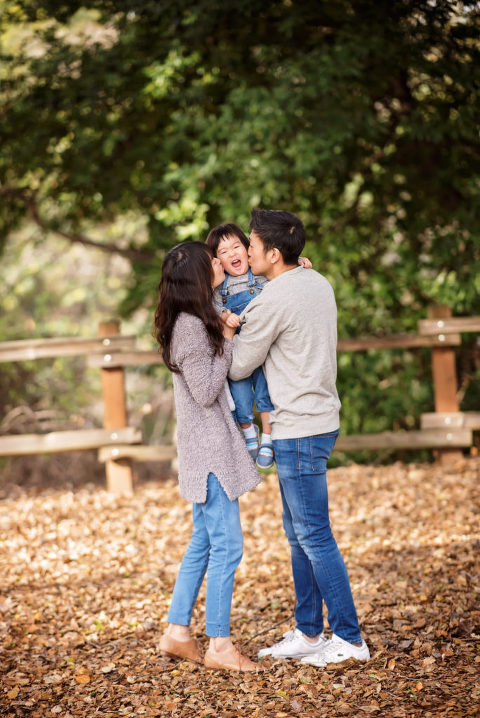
[[445, 385], [119, 472]]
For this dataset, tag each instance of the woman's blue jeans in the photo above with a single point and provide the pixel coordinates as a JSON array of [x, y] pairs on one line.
[[216, 545], [319, 572]]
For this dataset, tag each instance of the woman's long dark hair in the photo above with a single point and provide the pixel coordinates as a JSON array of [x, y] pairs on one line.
[[186, 286]]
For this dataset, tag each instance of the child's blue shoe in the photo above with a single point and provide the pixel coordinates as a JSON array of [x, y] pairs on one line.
[[253, 443], [265, 456]]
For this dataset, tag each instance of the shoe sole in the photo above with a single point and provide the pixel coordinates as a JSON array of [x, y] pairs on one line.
[[167, 654], [232, 668], [297, 657], [340, 666]]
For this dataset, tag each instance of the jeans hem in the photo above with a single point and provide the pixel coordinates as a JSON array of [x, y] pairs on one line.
[[349, 640], [310, 633], [216, 631], [268, 407], [244, 419], [178, 621]]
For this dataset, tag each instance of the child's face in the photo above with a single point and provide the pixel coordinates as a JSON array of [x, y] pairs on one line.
[[233, 255]]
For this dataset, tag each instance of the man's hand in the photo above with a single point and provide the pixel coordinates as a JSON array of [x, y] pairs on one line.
[[230, 319], [305, 262]]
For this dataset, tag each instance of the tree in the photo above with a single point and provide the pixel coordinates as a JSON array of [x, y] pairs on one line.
[[359, 115]]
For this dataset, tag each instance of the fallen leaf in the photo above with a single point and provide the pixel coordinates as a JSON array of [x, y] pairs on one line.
[[109, 668], [82, 677]]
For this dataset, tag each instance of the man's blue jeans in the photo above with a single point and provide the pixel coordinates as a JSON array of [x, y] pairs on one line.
[[319, 572], [216, 545]]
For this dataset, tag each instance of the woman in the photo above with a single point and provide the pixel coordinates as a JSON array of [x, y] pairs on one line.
[[214, 465]]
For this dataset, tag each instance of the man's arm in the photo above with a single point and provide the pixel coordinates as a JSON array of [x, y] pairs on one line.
[[259, 331]]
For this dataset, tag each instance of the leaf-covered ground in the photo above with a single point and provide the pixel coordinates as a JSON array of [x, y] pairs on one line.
[[87, 578]]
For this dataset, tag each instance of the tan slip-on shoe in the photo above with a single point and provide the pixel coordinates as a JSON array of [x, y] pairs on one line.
[[230, 660], [189, 650]]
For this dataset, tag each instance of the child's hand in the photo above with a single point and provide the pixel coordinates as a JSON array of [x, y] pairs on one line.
[[230, 319], [305, 262]]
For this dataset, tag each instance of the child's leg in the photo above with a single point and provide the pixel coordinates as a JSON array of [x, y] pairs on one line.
[[266, 426], [242, 393], [265, 456], [263, 402], [222, 520]]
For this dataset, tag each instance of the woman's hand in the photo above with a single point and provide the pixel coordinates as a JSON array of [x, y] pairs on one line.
[[305, 262], [228, 332], [230, 322]]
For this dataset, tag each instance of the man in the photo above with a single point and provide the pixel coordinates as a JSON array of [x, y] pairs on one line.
[[291, 329]]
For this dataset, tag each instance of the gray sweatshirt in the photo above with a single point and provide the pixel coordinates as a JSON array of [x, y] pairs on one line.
[[208, 440], [235, 285], [291, 329]]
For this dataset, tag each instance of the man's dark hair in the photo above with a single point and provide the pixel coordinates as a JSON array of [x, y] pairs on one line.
[[283, 230]]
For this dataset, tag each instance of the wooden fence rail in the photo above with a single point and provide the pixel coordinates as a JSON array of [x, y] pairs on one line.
[[446, 430], [26, 349]]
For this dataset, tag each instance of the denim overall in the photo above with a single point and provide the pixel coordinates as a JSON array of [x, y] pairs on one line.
[[254, 388]]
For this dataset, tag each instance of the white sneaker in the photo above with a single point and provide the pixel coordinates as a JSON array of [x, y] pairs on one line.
[[293, 645], [336, 650]]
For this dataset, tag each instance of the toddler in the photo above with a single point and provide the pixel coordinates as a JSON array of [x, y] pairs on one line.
[[230, 245]]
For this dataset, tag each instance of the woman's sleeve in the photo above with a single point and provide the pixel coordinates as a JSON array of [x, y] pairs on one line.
[[204, 374]]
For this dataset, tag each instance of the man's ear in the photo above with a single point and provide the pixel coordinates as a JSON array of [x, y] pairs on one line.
[[275, 255]]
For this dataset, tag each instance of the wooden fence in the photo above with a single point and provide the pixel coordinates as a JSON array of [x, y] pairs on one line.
[[446, 430]]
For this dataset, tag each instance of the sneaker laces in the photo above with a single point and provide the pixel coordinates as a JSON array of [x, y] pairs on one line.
[[288, 637], [334, 645]]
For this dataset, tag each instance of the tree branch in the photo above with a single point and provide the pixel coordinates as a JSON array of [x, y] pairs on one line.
[[134, 255]]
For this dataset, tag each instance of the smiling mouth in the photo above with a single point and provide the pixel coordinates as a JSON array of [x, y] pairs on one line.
[[236, 263]]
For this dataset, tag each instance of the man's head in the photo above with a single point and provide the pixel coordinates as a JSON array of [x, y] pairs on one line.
[[276, 241]]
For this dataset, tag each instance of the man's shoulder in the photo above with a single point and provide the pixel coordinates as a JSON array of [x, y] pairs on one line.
[[299, 277]]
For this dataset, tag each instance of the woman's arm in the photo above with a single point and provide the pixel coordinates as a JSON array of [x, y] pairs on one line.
[[204, 374]]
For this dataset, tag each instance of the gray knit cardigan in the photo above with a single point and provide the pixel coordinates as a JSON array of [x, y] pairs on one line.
[[208, 440]]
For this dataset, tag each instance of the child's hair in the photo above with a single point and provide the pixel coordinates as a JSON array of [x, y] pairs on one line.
[[225, 230], [281, 230], [186, 286]]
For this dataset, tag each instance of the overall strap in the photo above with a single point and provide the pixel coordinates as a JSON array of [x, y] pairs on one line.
[[223, 288], [253, 283]]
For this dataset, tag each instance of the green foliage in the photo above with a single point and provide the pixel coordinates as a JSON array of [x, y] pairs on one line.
[[359, 115], [45, 296]]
